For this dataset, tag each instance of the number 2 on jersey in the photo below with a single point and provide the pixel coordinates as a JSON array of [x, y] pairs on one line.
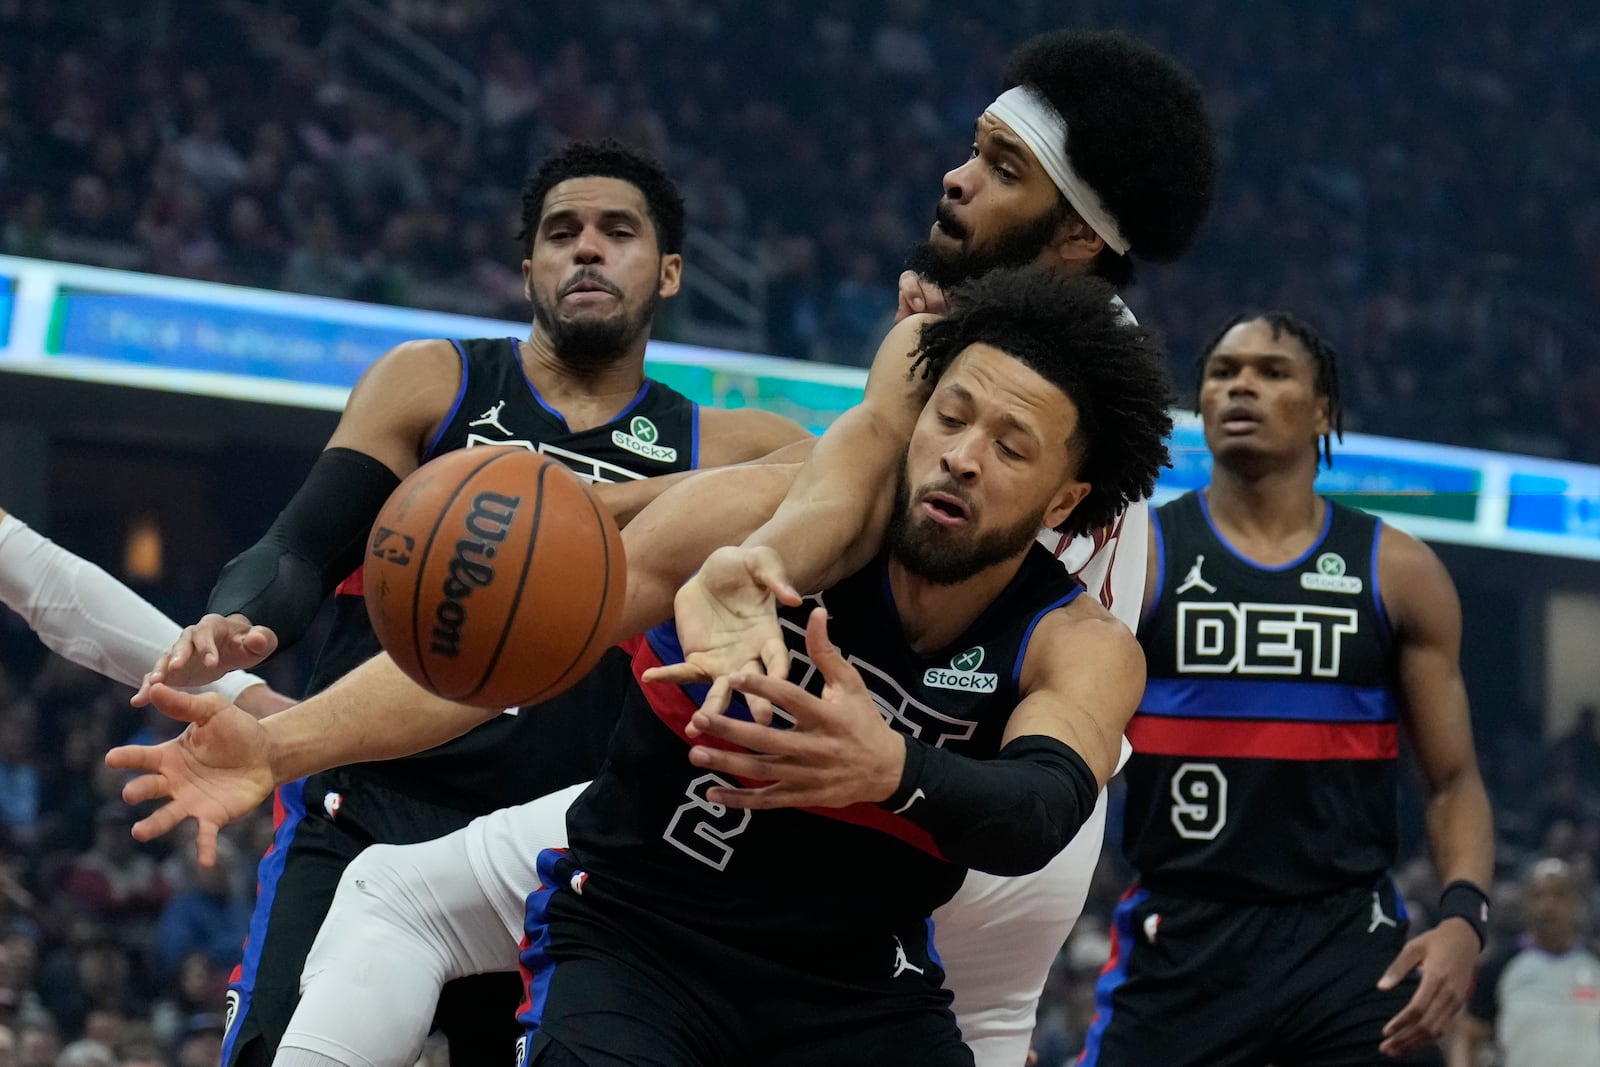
[[702, 827], [1199, 801]]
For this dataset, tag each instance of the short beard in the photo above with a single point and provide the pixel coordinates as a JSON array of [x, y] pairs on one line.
[[1014, 248], [927, 551], [589, 343]]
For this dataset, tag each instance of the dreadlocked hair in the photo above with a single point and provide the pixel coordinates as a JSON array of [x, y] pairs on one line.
[[1320, 350], [607, 158], [1069, 332]]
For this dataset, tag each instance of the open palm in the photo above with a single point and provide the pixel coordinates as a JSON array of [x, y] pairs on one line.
[[216, 771], [727, 622]]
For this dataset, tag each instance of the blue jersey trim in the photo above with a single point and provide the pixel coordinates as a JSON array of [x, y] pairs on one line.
[[1269, 699], [1372, 578], [1148, 615], [461, 394], [1033, 624], [694, 436], [1327, 523], [638, 398], [533, 390], [1114, 975], [535, 955], [270, 872]]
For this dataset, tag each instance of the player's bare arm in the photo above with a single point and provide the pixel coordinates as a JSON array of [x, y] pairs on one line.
[[1425, 615], [1081, 682], [270, 593], [745, 435], [833, 518]]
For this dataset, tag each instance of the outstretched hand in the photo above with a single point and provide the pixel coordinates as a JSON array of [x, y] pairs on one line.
[[207, 650], [840, 750], [216, 771], [727, 619]]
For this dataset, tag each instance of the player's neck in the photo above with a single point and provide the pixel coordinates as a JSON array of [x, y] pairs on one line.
[[931, 615], [1271, 517], [587, 395]]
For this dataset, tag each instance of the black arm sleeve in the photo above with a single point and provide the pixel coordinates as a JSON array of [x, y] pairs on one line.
[[314, 544], [1006, 816]]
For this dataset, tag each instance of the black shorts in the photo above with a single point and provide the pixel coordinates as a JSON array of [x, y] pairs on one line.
[[316, 838], [611, 985], [1198, 983]]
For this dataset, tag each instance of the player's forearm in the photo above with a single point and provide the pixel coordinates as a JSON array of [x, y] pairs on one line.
[[625, 500], [673, 536], [315, 542], [373, 713], [832, 520], [1461, 831]]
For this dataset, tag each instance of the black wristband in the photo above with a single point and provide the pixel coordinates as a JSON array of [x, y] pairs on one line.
[[1463, 900], [910, 775], [1008, 815]]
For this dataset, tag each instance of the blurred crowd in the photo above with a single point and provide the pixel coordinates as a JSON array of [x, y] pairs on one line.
[[1419, 182]]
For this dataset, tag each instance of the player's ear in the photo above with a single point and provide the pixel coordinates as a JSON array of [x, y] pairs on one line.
[[1075, 244], [671, 275], [527, 279], [1324, 417], [1070, 496]]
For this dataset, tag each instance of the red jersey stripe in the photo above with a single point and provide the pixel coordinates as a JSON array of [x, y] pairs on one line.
[[1225, 738]]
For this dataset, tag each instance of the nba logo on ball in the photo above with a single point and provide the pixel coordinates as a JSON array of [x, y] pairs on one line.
[[494, 577]]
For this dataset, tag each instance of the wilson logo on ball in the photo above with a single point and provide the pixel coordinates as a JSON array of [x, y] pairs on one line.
[[488, 522]]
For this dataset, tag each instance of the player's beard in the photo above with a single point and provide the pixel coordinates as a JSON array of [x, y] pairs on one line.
[[943, 557], [1014, 248], [591, 341]]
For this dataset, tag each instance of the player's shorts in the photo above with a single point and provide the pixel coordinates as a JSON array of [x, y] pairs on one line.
[[1202, 983], [322, 823], [608, 983]]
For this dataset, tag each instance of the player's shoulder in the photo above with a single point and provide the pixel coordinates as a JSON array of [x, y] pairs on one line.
[[1083, 632], [1410, 573], [424, 358]]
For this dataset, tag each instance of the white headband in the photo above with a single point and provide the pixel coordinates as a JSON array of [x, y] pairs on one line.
[[1042, 129]]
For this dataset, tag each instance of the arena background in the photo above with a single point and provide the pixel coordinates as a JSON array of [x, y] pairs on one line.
[[1418, 180]]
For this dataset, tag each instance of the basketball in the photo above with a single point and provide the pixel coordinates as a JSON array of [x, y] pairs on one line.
[[494, 577]]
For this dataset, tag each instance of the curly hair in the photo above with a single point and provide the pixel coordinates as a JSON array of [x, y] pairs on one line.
[[1322, 354], [1138, 134], [606, 158], [1069, 332]]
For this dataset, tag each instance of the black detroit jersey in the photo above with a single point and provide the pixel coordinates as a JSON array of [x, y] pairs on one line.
[[824, 889], [1265, 746], [516, 757]]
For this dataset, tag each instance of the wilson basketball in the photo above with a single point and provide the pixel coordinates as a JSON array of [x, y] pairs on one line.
[[494, 577]]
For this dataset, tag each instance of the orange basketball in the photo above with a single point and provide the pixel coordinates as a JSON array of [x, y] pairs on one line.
[[494, 577]]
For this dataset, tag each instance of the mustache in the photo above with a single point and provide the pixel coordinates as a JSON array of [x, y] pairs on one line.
[[946, 218], [588, 277]]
